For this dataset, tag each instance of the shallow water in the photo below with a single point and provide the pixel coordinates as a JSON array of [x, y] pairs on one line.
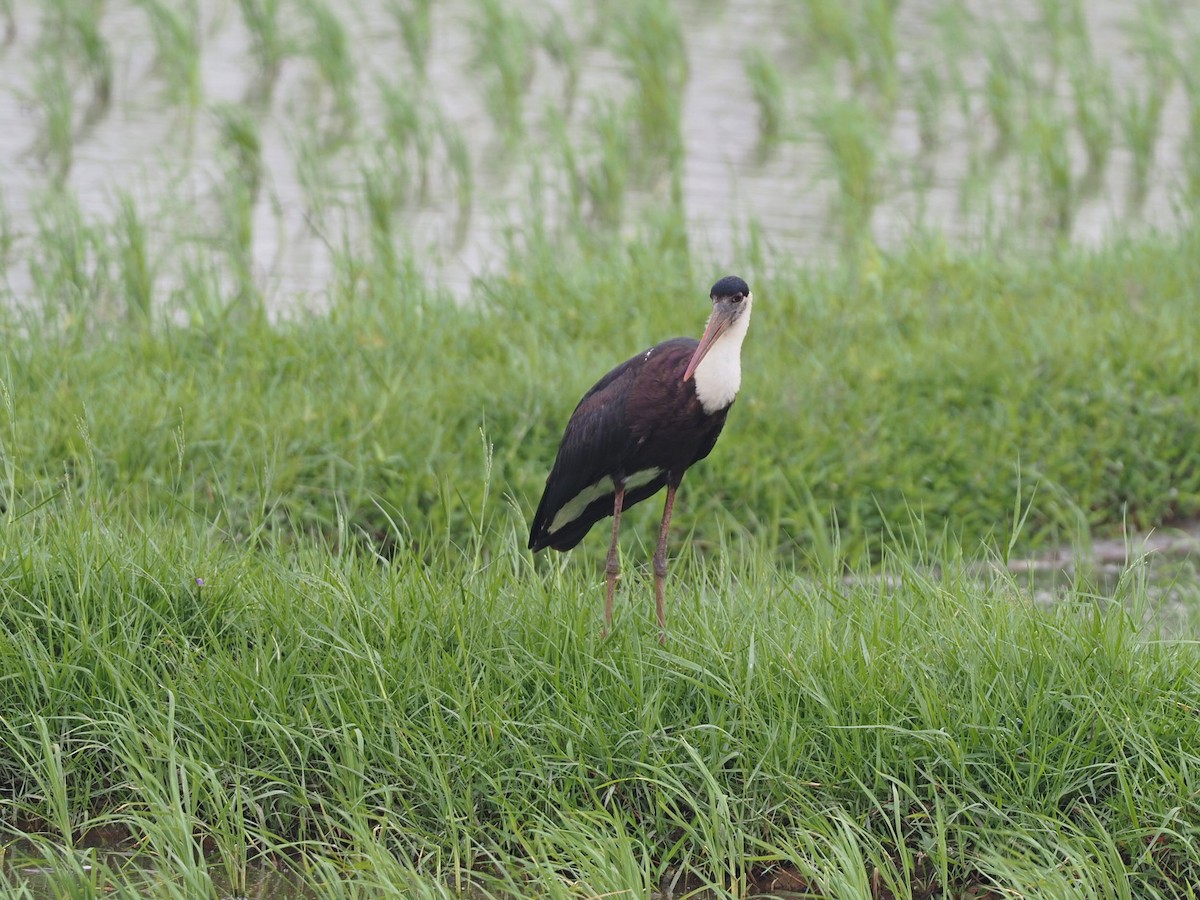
[[169, 157]]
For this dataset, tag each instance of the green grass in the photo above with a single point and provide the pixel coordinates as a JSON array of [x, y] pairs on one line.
[[53, 95], [502, 53], [270, 42], [458, 718], [176, 29], [265, 604], [766, 84]]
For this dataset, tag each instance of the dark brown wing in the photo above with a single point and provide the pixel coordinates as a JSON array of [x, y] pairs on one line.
[[599, 443]]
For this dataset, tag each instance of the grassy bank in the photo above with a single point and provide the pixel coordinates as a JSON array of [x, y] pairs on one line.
[[266, 600], [925, 386], [432, 723]]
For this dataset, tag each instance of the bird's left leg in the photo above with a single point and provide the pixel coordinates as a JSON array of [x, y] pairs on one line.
[[660, 560], [612, 566]]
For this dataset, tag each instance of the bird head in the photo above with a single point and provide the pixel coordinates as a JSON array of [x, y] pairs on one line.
[[731, 301]]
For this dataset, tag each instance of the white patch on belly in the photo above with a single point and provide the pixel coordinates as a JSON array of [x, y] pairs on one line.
[[573, 508]]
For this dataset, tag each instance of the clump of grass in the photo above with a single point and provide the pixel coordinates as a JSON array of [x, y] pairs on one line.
[[311, 160], [928, 97], [238, 131], [879, 50], [1065, 27], [238, 194], [77, 25], [458, 162], [1001, 96], [329, 49], [1190, 76], [1091, 83], [851, 139], [1140, 112], [135, 270], [649, 41], [415, 19], [604, 177], [8, 10], [56, 144], [268, 42], [1047, 135], [67, 263], [384, 190], [502, 39], [408, 134], [556, 40], [828, 28], [1139, 117], [766, 85], [177, 42], [7, 237]]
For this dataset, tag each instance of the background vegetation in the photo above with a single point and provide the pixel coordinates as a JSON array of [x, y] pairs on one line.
[[268, 620]]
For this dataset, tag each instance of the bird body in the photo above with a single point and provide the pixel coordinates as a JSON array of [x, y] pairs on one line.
[[640, 428], [640, 423]]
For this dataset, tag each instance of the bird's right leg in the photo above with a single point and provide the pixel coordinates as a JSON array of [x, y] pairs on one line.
[[612, 567]]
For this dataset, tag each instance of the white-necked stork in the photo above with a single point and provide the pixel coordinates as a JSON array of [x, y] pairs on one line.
[[641, 427]]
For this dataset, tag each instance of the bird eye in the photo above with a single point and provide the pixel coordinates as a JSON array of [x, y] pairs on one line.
[[737, 298]]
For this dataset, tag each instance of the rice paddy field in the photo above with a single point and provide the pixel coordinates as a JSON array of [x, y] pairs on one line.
[[296, 297]]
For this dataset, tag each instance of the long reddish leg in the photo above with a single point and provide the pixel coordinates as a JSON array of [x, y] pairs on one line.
[[660, 561], [612, 567]]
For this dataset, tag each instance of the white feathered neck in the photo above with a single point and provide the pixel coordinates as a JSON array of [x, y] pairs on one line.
[[719, 374]]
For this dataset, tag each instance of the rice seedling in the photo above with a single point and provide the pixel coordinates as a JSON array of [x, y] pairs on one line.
[[415, 20], [408, 134], [1191, 165], [66, 265], [1094, 96], [311, 160], [1002, 93], [648, 38], [828, 29], [7, 236], [77, 26], [502, 38], [1065, 26], [1139, 113], [268, 42], [384, 190], [928, 97], [458, 161], [603, 176], [329, 49], [1190, 76], [879, 52], [766, 86], [850, 137], [135, 270], [235, 237], [1050, 156], [239, 136], [178, 47], [1139, 116], [55, 98], [563, 50], [8, 10]]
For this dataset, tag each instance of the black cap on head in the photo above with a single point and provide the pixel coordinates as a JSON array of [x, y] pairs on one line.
[[729, 286]]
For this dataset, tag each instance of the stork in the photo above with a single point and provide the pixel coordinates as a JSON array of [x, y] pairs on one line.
[[641, 427]]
